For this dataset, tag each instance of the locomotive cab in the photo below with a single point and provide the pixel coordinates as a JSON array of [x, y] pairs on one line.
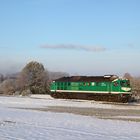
[[121, 86], [125, 85]]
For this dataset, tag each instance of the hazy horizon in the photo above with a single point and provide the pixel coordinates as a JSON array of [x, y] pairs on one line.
[[83, 37]]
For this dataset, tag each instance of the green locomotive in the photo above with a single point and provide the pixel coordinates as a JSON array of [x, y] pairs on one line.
[[101, 88]]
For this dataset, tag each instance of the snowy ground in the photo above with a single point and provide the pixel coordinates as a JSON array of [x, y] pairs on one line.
[[29, 124]]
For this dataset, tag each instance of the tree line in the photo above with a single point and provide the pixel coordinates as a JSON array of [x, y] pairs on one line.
[[33, 79]]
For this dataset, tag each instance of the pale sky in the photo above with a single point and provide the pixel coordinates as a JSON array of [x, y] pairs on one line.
[[85, 37]]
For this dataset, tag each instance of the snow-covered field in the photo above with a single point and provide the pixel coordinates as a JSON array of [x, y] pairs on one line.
[[27, 124]]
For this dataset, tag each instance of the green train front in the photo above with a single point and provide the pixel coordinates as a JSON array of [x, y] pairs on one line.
[[103, 88]]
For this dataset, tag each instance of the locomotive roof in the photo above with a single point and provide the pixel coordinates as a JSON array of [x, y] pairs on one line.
[[105, 78]]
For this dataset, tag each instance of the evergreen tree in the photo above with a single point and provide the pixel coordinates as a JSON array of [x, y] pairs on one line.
[[34, 77]]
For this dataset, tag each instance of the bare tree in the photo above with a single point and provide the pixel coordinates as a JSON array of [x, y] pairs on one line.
[[135, 83], [128, 76], [1, 78], [8, 87]]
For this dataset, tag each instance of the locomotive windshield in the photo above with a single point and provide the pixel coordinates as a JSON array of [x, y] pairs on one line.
[[125, 83]]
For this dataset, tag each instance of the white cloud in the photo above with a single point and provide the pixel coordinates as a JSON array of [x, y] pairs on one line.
[[75, 47], [131, 45]]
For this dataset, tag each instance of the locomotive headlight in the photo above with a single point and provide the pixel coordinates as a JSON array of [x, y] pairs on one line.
[[126, 88]]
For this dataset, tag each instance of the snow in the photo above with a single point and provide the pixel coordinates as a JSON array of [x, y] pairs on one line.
[[26, 124], [45, 100]]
